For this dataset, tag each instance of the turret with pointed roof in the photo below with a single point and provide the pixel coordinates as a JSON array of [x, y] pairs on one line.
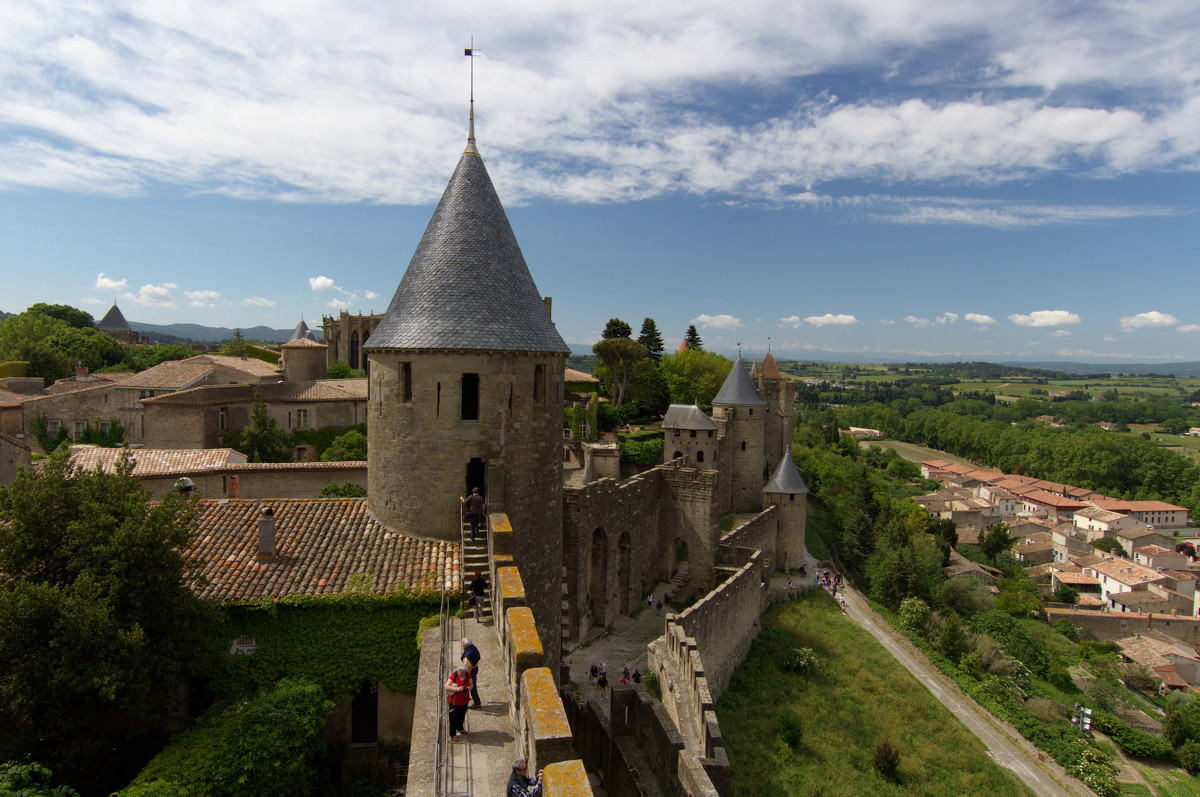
[[466, 390], [780, 395], [743, 412], [115, 326], [787, 491], [738, 389]]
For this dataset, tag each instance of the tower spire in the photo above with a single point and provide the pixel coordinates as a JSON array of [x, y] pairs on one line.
[[470, 53]]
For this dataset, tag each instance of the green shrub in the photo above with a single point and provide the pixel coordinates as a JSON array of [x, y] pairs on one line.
[[914, 615], [791, 729], [801, 661], [347, 490], [266, 745], [1189, 757], [30, 780], [1134, 742], [886, 760], [641, 452]]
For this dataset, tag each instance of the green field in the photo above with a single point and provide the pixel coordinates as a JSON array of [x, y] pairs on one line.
[[913, 452], [1170, 783], [788, 734]]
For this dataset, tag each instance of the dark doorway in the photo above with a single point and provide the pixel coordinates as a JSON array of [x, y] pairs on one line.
[[354, 349], [476, 476], [364, 715]]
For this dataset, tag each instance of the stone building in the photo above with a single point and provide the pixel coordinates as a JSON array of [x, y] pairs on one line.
[[346, 335], [466, 389]]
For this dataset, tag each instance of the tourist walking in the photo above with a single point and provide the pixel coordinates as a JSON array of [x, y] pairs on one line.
[[602, 683], [458, 687], [470, 656], [478, 588], [475, 507]]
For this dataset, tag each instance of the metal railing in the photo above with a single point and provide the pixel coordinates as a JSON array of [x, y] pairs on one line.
[[442, 750]]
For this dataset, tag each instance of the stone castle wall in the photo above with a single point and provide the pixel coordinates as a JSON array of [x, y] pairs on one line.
[[1109, 626], [758, 534]]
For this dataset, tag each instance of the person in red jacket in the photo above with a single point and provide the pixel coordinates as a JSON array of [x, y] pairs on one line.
[[458, 688]]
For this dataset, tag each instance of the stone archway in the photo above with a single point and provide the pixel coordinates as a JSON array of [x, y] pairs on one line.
[[677, 556], [623, 574], [353, 349], [597, 591]]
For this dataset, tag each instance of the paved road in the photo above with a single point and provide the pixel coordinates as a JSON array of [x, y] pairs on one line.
[[1004, 744]]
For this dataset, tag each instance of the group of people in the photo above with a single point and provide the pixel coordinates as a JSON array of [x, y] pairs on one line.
[[462, 687], [598, 676]]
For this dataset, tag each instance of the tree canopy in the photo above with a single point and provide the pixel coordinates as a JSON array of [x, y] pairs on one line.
[[616, 328], [692, 339], [53, 346], [262, 440], [651, 338], [694, 375], [621, 356], [97, 624]]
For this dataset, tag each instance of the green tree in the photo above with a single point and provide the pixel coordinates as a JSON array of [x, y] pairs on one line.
[[621, 356], [339, 370], [692, 339], [694, 375], [914, 615], [651, 338], [52, 346], [1066, 594], [1109, 545], [235, 346], [97, 624], [648, 390], [262, 440], [346, 490], [352, 446], [30, 780], [995, 540], [1189, 757], [616, 328], [79, 319]]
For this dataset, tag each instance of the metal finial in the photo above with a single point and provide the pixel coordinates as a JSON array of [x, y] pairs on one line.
[[768, 344], [470, 53]]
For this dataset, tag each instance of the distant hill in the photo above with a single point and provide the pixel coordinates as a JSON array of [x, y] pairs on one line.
[[1142, 369], [197, 333], [4, 315]]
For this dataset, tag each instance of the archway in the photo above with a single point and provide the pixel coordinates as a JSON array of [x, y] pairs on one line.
[[678, 557], [623, 574], [598, 578], [476, 476], [354, 349]]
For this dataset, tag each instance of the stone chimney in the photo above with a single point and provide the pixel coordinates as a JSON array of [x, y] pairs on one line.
[[80, 369], [266, 534]]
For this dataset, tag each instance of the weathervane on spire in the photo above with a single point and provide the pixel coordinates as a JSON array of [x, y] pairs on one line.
[[470, 53], [768, 344]]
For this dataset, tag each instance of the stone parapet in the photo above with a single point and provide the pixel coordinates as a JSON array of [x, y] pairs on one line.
[[523, 650], [566, 779], [544, 735]]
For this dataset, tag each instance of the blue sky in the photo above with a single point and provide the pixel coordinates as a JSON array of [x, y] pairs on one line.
[[876, 179]]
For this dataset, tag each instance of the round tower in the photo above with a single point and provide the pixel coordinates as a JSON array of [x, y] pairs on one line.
[[780, 395], [466, 390], [787, 491], [743, 411], [303, 360]]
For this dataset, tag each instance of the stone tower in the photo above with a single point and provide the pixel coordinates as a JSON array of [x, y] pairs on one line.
[[780, 395], [303, 360], [787, 491], [466, 390], [743, 412]]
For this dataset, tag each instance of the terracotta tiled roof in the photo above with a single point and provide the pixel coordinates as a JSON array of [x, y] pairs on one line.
[[248, 365], [324, 546], [329, 390], [303, 343], [15, 399], [769, 369], [1039, 496], [1087, 599], [150, 462], [15, 442], [1098, 514], [571, 375], [73, 384], [247, 467], [1077, 579], [170, 375], [1152, 550]]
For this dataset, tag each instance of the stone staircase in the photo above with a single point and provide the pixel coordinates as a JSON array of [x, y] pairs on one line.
[[474, 557], [676, 586]]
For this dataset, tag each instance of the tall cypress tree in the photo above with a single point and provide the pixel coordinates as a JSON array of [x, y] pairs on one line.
[[692, 339], [651, 339], [616, 328]]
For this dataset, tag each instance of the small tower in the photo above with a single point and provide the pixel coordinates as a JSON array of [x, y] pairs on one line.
[[780, 395], [690, 434], [303, 360], [787, 491], [116, 327], [743, 412]]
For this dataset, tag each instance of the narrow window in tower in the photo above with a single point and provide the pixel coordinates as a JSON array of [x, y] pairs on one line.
[[539, 383], [437, 412], [406, 377], [510, 397], [693, 433], [699, 456], [743, 445], [470, 397]]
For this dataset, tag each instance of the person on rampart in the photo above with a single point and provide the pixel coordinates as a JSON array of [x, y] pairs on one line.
[[470, 656], [458, 687], [520, 784], [476, 507]]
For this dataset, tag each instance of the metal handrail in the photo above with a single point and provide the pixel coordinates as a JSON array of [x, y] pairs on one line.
[[442, 750]]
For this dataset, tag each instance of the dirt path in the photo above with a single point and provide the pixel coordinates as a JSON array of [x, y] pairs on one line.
[[1004, 744]]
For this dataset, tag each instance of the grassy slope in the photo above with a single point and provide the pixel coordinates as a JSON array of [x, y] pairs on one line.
[[860, 696]]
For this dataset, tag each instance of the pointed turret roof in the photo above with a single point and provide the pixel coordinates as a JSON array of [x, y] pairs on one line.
[[301, 331], [467, 286], [738, 388], [768, 369], [113, 321], [787, 477], [687, 416]]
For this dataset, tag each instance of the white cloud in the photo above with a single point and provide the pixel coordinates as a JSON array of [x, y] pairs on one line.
[[840, 319], [202, 298], [1150, 320], [887, 322], [1189, 328], [92, 301], [104, 283], [919, 323], [370, 295], [337, 303], [322, 284], [257, 301], [1060, 333], [1109, 339], [1044, 318], [722, 321], [793, 321], [154, 295], [979, 318]]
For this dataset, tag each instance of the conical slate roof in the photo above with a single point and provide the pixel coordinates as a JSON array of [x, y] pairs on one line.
[[467, 286], [738, 389], [787, 478], [301, 331], [113, 321], [687, 416]]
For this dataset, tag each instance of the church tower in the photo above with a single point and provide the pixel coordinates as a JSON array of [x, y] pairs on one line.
[[466, 388], [743, 412]]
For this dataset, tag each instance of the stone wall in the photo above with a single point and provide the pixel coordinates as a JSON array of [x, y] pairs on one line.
[[264, 479], [725, 621], [90, 405], [14, 454], [758, 533], [1109, 626]]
